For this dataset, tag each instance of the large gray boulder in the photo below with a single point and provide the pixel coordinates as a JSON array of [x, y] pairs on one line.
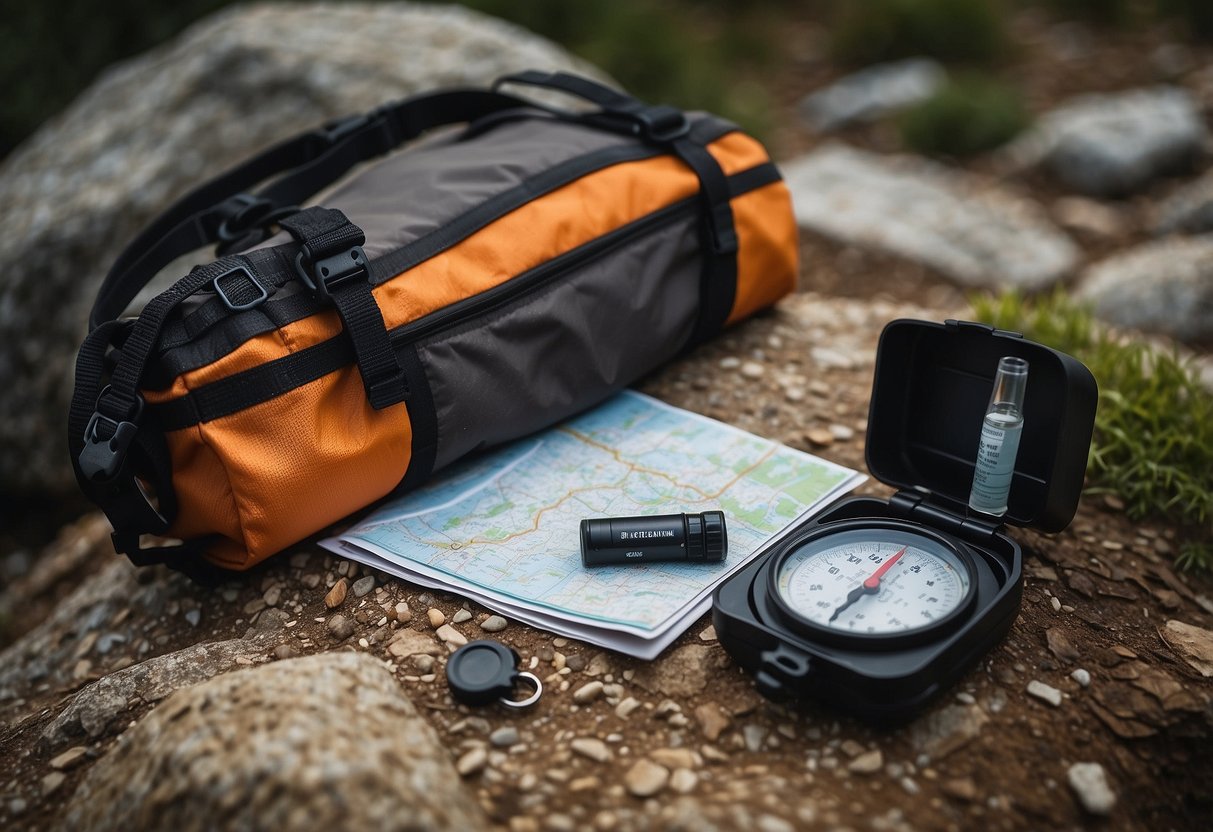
[[153, 127], [323, 742], [973, 231], [1116, 143], [1164, 286]]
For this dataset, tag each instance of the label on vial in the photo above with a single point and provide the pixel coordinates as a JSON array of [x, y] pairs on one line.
[[995, 467]]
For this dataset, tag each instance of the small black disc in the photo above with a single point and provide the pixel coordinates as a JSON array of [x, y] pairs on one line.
[[481, 672]]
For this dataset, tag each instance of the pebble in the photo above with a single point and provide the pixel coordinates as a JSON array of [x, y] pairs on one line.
[[645, 778], [752, 369], [69, 758], [867, 763], [1090, 784], [1082, 677], [1045, 692], [272, 596], [493, 624], [794, 394], [423, 663], [193, 617], [1055, 602], [575, 663], [472, 762], [684, 780], [451, 636], [708, 634], [16, 807], [712, 720], [437, 619], [284, 651], [590, 747], [821, 437], [461, 616], [676, 758], [624, 709], [336, 595], [403, 613], [730, 363], [341, 627], [364, 585], [588, 692], [842, 433], [504, 737], [52, 782], [754, 735]]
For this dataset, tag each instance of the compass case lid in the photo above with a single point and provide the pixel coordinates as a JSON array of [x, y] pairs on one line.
[[929, 397]]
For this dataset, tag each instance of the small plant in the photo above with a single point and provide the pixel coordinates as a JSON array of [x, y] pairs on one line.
[[969, 115], [954, 31], [1153, 443]]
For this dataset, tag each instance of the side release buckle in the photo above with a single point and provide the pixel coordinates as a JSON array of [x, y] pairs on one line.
[[322, 276], [106, 442]]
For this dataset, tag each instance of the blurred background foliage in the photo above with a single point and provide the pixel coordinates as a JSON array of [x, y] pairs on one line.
[[719, 55]]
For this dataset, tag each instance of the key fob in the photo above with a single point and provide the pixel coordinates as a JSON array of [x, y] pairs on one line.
[[486, 671]]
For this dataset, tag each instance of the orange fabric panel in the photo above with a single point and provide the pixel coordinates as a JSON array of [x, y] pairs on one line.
[[768, 257], [736, 152], [293, 465]]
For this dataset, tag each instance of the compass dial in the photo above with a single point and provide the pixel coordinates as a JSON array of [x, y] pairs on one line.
[[874, 582]]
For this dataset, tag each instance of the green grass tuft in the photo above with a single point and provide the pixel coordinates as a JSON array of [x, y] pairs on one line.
[[1153, 443], [970, 115]]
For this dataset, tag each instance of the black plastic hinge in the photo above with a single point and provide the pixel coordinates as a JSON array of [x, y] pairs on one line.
[[918, 506]]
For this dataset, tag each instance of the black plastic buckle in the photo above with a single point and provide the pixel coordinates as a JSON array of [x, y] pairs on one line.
[[247, 213], [661, 123], [227, 301], [322, 276], [106, 442]]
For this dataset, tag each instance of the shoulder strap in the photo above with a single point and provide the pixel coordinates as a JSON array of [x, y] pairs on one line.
[[222, 210]]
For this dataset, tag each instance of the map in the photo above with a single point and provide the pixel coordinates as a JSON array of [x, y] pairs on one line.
[[503, 527]]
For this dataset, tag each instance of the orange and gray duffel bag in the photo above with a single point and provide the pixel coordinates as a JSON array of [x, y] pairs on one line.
[[476, 286]]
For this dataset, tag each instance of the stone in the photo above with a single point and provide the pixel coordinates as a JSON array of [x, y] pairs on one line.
[[340, 626], [588, 692], [1045, 693], [869, 762], [1090, 785], [410, 643], [941, 732], [101, 708], [1087, 217], [451, 636], [327, 741], [1114, 144], [872, 93], [493, 624], [683, 780], [1061, 646], [625, 708], [820, 437], [1191, 643], [461, 616], [244, 79], [591, 747], [752, 370], [435, 616], [69, 759], [336, 595], [712, 720], [646, 778], [683, 672], [676, 758], [977, 233], [505, 736], [1082, 677], [472, 761], [403, 614], [1164, 286], [1189, 210], [363, 586], [754, 736]]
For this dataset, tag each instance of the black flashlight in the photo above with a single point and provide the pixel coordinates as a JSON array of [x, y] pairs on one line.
[[698, 538]]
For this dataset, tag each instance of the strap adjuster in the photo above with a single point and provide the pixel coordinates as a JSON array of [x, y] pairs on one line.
[[262, 293], [107, 440], [322, 276], [661, 123]]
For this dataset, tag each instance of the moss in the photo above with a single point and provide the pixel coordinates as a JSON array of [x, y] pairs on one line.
[[956, 31], [1153, 442], [970, 115]]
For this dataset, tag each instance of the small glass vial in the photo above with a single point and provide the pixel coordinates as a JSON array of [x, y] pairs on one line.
[[1000, 431]]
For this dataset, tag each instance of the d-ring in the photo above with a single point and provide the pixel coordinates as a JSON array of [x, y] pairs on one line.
[[530, 700]]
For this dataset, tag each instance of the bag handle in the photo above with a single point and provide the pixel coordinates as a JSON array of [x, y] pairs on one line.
[[223, 211]]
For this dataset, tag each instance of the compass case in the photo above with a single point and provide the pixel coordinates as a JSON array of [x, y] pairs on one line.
[[931, 389]]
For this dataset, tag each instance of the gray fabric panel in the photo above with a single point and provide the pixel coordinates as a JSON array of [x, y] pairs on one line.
[[567, 347]]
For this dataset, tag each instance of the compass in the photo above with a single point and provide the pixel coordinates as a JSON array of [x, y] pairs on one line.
[[873, 585]]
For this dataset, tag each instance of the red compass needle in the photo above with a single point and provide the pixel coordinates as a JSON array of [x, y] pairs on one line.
[[873, 581]]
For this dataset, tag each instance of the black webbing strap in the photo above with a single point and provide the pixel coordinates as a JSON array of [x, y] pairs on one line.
[[333, 265], [667, 127], [222, 212]]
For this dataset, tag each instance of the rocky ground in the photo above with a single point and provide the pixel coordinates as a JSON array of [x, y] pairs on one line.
[[311, 691]]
